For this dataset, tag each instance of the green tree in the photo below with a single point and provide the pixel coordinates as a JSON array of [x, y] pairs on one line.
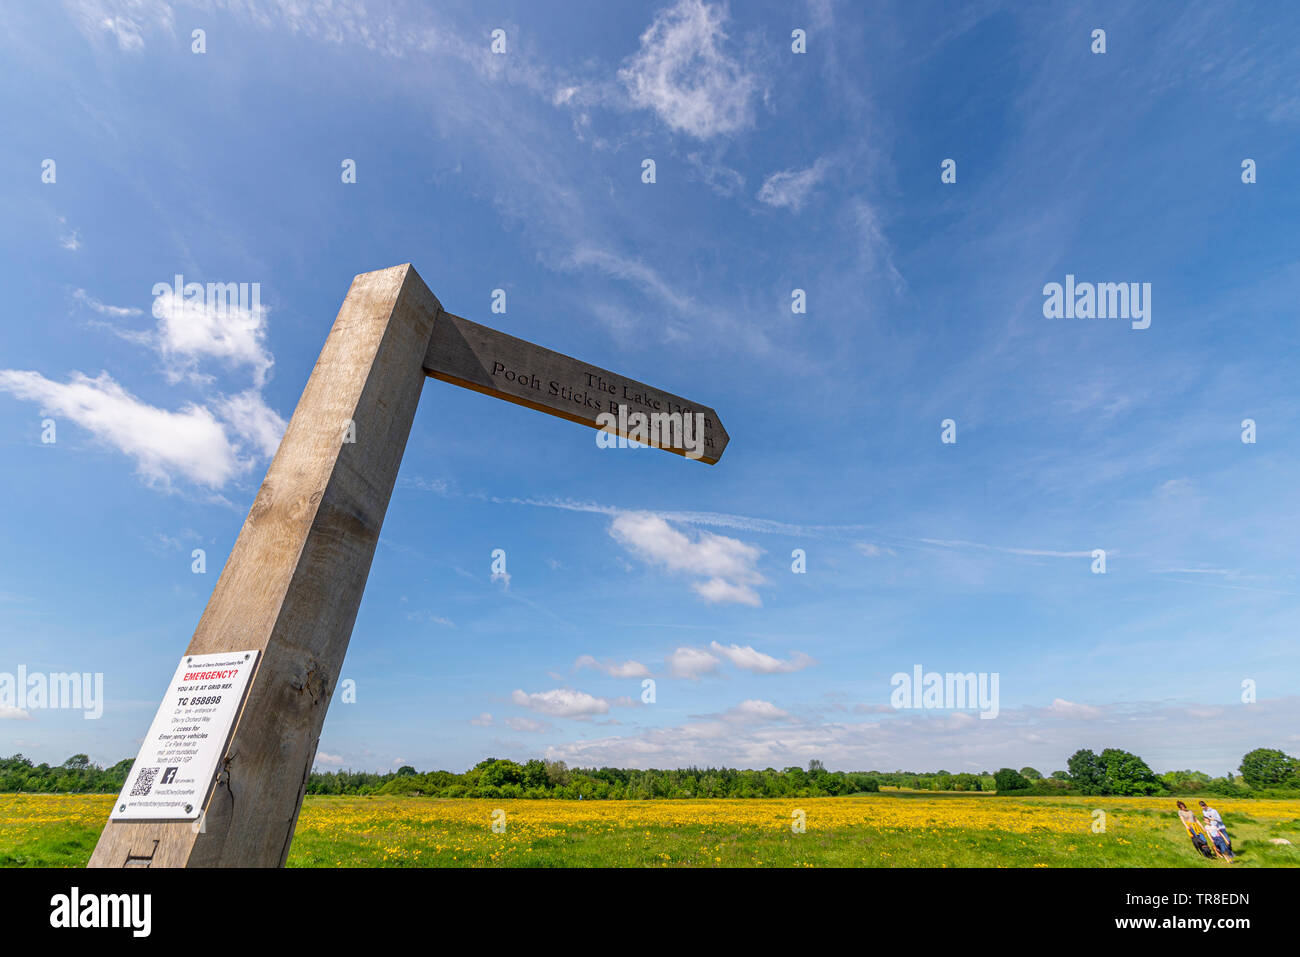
[[1009, 779], [1184, 782], [1268, 768], [1031, 773], [500, 773], [1126, 773], [1086, 771], [535, 774]]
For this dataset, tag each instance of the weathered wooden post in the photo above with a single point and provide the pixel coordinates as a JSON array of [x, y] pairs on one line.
[[220, 778]]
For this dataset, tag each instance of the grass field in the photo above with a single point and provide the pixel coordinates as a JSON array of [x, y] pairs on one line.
[[890, 829]]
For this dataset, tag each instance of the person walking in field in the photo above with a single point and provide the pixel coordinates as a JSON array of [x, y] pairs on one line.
[[1209, 812], [1213, 824], [1194, 829]]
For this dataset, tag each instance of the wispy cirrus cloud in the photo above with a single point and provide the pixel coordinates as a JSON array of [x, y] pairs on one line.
[[683, 73], [115, 312], [790, 189], [527, 725], [125, 22], [631, 270], [69, 239], [1036, 552], [872, 550]]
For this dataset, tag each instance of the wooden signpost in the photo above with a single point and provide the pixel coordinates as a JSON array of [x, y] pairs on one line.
[[476, 357], [287, 598]]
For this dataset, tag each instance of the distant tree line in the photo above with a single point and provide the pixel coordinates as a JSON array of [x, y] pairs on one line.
[[1263, 772], [502, 778], [74, 776]]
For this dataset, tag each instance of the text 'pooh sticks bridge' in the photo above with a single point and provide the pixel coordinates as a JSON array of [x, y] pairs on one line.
[[219, 780]]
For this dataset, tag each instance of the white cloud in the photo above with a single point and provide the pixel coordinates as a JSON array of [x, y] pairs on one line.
[[1072, 709], [249, 415], [561, 703], [615, 669], [747, 659], [10, 713], [720, 592], [190, 330], [691, 663], [681, 73], [791, 188], [921, 741], [333, 760], [727, 564], [191, 442], [755, 711]]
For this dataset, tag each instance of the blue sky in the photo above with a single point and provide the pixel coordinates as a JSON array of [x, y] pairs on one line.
[[775, 171]]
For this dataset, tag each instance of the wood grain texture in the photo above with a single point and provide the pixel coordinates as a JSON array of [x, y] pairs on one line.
[[477, 357], [294, 579]]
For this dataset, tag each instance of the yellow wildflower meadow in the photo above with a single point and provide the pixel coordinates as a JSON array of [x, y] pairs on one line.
[[890, 829]]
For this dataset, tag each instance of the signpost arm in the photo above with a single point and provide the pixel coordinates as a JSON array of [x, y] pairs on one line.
[[293, 582]]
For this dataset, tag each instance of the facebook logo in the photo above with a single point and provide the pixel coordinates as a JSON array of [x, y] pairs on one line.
[[169, 775]]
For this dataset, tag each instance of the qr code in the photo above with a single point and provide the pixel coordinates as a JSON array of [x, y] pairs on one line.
[[144, 782]]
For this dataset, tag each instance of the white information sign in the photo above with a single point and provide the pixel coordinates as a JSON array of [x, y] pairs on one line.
[[178, 760]]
